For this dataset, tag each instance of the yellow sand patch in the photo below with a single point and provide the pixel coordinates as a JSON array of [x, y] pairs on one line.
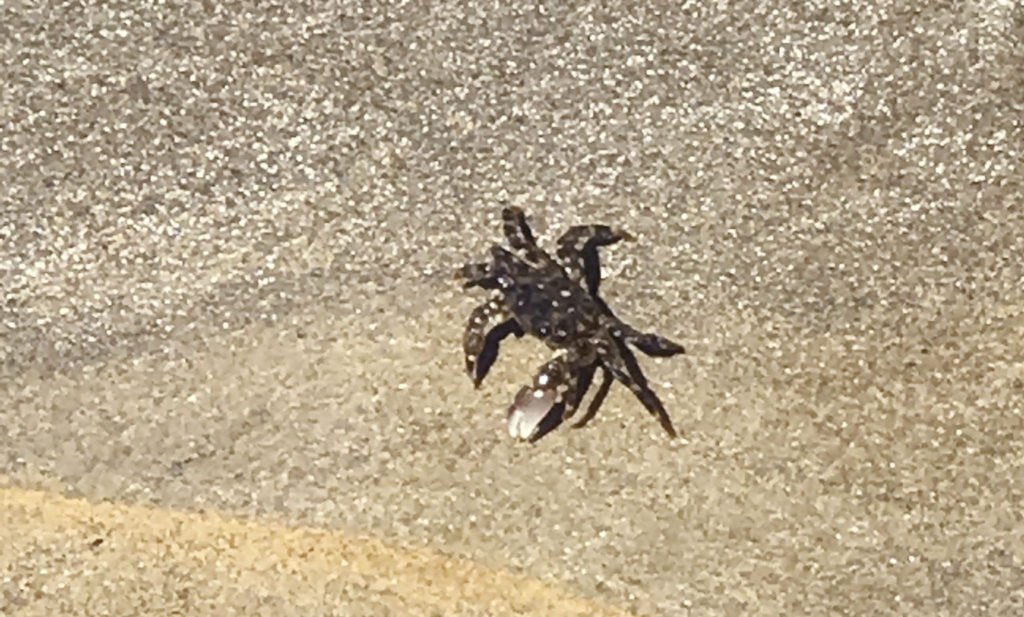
[[206, 562]]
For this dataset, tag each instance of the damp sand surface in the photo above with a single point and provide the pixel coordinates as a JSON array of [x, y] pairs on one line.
[[230, 342]]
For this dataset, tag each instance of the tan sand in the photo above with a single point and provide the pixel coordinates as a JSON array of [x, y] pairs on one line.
[[230, 345], [116, 559]]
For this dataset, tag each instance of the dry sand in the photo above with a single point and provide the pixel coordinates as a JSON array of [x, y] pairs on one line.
[[232, 380]]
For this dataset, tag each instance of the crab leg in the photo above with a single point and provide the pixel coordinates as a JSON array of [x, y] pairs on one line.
[[583, 380], [474, 275], [489, 324], [520, 236], [517, 230], [602, 391], [489, 276], [577, 251], [653, 345], [621, 362], [477, 275]]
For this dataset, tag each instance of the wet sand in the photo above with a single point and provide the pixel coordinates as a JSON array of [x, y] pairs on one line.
[[232, 376]]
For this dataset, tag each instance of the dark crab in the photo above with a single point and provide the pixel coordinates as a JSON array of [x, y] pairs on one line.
[[556, 300]]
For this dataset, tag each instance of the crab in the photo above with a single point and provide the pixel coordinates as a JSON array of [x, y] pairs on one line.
[[555, 299]]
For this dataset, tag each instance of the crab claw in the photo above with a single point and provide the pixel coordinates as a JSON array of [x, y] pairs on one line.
[[534, 413]]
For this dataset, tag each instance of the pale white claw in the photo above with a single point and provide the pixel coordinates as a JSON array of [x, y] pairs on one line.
[[529, 408]]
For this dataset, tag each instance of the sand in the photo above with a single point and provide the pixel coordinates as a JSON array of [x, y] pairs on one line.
[[231, 370]]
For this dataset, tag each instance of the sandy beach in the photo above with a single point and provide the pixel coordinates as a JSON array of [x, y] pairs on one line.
[[230, 342]]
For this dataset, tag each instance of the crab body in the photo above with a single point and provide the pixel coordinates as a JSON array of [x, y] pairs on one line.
[[556, 299], [551, 307]]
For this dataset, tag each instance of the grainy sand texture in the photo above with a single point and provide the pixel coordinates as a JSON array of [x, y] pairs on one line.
[[231, 377]]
